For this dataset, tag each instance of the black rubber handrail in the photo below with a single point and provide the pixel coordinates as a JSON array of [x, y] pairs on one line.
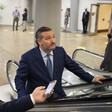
[[87, 52], [84, 65], [106, 82], [16, 63]]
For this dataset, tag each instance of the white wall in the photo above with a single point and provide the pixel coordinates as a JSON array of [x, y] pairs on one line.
[[65, 4], [82, 5], [6, 14]]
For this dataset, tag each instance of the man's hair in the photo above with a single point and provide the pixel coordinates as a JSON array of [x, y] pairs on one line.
[[25, 9], [38, 34]]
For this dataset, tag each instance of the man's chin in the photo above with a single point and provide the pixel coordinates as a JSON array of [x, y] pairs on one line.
[[52, 48]]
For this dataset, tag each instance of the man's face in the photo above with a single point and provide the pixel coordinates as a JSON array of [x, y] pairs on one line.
[[16, 8], [85, 9], [48, 41]]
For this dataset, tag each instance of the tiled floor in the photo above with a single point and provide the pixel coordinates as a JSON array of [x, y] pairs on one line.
[[14, 43]]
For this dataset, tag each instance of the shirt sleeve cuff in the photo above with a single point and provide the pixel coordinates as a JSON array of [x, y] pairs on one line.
[[93, 79], [32, 99]]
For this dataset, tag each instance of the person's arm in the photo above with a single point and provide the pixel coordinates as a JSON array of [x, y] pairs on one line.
[[88, 15], [22, 76], [18, 15], [77, 70], [83, 16], [25, 103], [72, 66], [65, 14], [19, 105], [107, 55]]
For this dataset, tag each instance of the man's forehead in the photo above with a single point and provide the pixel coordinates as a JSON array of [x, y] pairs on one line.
[[48, 33]]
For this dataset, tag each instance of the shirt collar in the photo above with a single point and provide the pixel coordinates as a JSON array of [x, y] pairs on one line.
[[44, 53]]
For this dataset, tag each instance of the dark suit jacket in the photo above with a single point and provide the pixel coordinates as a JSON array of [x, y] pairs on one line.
[[33, 70], [85, 17], [107, 62], [24, 16], [18, 105]]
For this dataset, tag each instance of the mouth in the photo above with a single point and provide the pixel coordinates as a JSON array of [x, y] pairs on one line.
[[52, 44]]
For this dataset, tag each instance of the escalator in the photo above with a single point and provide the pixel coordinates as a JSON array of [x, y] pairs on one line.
[[81, 96], [90, 62], [98, 100]]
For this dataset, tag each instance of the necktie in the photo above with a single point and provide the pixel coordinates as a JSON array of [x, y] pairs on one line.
[[49, 65]]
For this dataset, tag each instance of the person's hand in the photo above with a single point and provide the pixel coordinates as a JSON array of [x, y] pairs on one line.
[[38, 94], [98, 79]]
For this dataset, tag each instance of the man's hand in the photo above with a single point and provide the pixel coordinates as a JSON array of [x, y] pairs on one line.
[[98, 79], [38, 94]]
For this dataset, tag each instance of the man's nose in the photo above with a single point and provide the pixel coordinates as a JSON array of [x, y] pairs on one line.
[[52, 39]]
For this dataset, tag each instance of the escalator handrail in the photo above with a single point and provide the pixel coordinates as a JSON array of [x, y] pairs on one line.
[[86, 85], [87, 52], [16, 63], [84, 65], [97, 70]]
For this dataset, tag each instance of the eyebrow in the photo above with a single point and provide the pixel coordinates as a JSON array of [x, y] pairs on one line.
[[49, 35]]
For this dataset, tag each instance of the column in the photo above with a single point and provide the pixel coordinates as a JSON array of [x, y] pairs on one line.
[[74, 9], [29, 10], [48, 13]]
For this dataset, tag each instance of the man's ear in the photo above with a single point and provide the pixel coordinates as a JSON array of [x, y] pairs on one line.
[[38, 41]]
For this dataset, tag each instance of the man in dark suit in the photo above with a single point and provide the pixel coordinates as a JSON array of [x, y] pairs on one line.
[[107, 62], [25, 103], [33, 71], [85, 19]]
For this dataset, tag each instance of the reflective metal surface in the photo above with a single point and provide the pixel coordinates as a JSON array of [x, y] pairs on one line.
[[11, 68]]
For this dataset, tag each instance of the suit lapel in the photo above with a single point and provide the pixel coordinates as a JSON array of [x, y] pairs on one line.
[[55, 63]]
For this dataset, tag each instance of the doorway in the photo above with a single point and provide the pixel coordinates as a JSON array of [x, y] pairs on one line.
[[100, 18], [93, 19]]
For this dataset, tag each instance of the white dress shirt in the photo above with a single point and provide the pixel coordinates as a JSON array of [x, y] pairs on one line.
[[44, 56]]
